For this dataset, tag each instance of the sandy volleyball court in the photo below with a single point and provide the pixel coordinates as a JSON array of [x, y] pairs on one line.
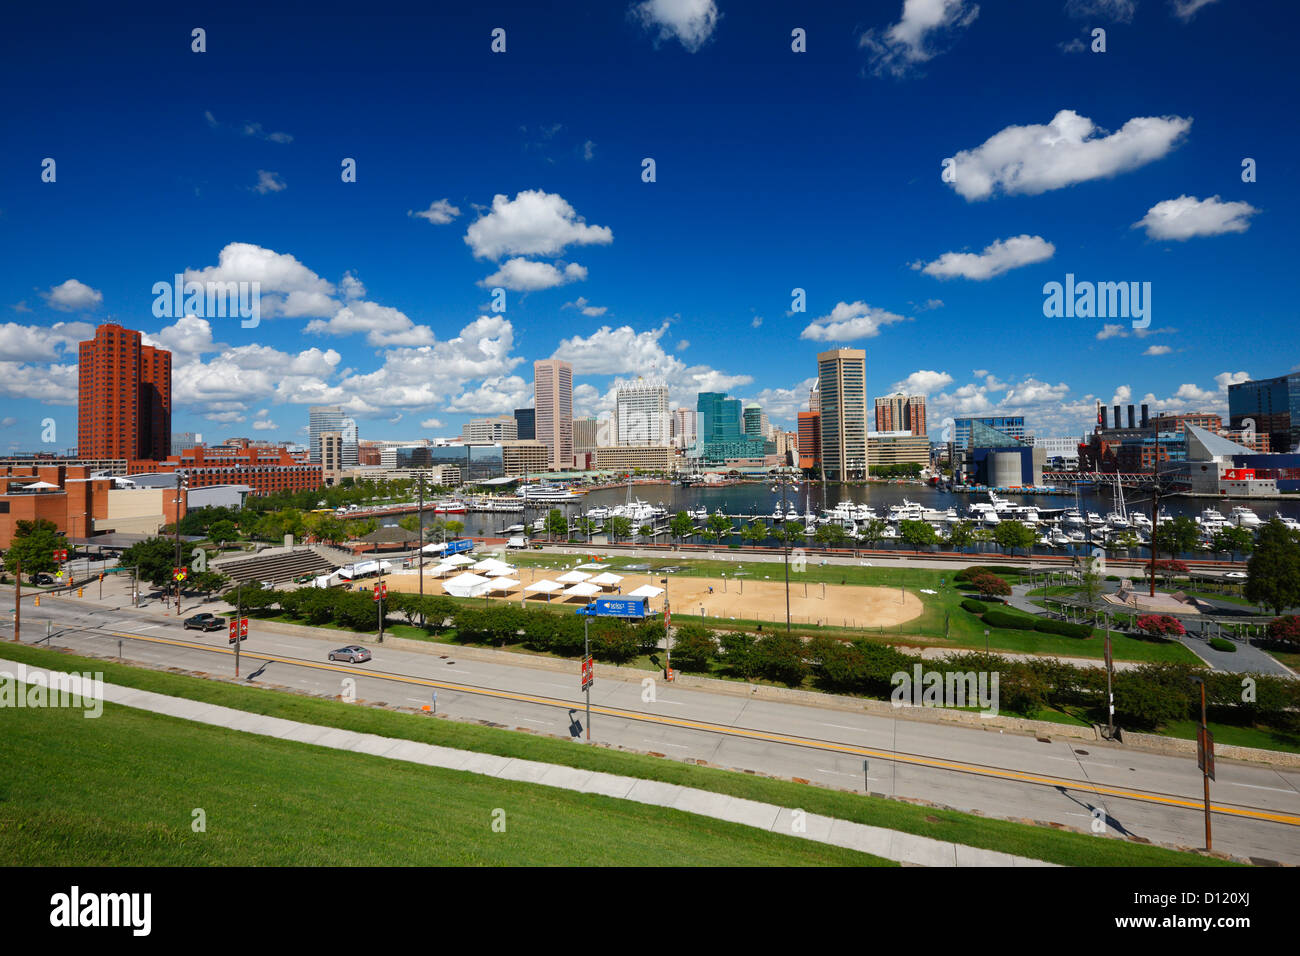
[[743, 598]]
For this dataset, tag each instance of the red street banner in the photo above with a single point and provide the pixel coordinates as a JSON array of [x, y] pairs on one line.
[[234, 629], [588, 672], [243, 627], [60, 555], [380, 592]]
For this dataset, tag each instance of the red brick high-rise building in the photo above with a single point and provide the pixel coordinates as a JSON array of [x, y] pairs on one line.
[[125, 397]]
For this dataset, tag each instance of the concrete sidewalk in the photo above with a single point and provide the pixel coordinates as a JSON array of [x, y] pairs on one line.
[[900, 847]]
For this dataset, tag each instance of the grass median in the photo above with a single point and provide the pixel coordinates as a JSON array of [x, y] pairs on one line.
[[1067, 848]]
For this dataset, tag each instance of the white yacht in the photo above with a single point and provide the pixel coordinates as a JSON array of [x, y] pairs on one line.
[[1073, 518], [598, 514], [1243, 517], [864, 513], [1211, 520], [1288, 523], [983, 513], [778, 514], [548, 494], [1139, 521], [699, 514]]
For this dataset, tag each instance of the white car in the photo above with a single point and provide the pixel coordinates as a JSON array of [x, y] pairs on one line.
[[1236, 574]]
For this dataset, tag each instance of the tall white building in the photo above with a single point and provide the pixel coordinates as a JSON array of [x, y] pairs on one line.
[[553, 399], [641, 414], [321, 419], [682, 427]]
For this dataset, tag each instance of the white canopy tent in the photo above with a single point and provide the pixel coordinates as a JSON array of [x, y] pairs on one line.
[[606, 580], [457, 560], [543, 586], [467, 585], [500, 572], [582, 590], [646, 591], [490, 564], [573, 577], [503, 584]]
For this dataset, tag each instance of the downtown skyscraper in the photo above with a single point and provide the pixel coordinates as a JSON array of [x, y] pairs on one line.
[[553, 403], [842, 391], [124, 401]]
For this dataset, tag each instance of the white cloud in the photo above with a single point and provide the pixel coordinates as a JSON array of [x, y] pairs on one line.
[[188, 337], [432, 423], [588, 150], [911, 41], [495, 396], [1188, 217], [683, 345], [1000, 256], [848, 321], [535, 222], [1186, 9], [49, 384], [383, 325], [923, 382], [783, 405], [1157, 350], [255, 130], [440, 212], [35, 343], [72, 295], [268, 182], [1069, 150], [8, 421], [264, 424], [287, 287], [690, 21], [351, 287], [527, 275], [1120, 11], [1111, 331], [586, 308]]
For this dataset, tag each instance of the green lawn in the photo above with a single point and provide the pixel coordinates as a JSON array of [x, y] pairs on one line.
[[1072, 849], [1236, 735], [120, 791]]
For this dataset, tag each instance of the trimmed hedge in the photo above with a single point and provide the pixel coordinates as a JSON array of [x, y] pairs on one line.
[[975, 607], [1004, 619], [965, 573], [1064, 628], [1223, 644]]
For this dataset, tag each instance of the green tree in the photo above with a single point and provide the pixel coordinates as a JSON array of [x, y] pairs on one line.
[[207, 582], [693, 647], [719, 527], [739, 655], [917, 533], [618, 528], [34, 544], [646, 531], [780, 658], [155, 559], [556, 524], [681, 526], [873, 531], [1179, 536], [586, 527], [1232, 540], [454, 527], [1089, 578], [1013, 534], [221, 532], [754, 533], [326, 528], [1273, 572], [962, 535]]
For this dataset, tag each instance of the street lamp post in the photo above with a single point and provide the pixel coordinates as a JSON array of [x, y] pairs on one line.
[[784, 481]]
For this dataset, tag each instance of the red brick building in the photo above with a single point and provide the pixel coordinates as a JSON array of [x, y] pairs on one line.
[[264, 470], [810, 440], [124, 397]]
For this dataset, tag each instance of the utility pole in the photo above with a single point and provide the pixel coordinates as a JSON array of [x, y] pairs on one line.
[[1205, 757], [379, 595], [18, 596], [239, 621], [1155, 509], [180, 483], [420, 480], [586, 656], [1110, 694]]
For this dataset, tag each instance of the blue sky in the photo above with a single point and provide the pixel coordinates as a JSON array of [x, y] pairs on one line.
[[775, 170]]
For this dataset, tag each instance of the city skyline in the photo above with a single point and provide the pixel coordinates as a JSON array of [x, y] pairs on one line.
[[377, 295]]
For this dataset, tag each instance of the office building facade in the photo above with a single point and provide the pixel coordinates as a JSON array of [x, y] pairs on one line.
[[553, 403], [526, 424], [641, 414], [124, 403], [1272, 404], [842, 404]]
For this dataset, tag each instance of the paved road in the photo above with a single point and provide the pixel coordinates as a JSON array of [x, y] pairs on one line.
[[1002, 775]]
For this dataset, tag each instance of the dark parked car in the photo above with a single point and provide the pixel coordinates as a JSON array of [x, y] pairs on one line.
[[352, 654], [44, 579], [205, 622]]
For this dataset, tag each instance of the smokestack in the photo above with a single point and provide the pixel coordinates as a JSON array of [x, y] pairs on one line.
[[1119, 421], [1146, 418], [1132, 417]]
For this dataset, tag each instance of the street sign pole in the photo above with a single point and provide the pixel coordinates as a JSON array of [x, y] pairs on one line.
[[1205, 760], [239, 613], [18, 596], [586, 654]]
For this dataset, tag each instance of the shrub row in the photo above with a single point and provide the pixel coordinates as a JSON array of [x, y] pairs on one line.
[[1017, 622], [975, 607]]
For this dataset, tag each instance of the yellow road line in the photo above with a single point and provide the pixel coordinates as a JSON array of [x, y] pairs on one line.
[[773, 737]]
